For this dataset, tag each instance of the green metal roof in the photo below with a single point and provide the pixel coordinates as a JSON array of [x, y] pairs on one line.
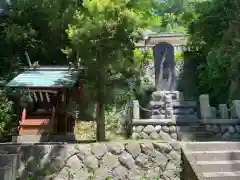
[[45, 77]]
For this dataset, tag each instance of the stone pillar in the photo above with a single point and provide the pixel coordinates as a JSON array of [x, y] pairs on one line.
[[223, 111], [205, 109], [168, 106], [213, 112], [136, 110], [236, 109]]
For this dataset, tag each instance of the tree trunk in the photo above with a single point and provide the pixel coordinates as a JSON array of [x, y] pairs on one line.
[[100, 133]]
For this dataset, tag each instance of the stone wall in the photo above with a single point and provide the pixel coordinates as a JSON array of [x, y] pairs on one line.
[[162, 132], [224, 131], [126, 160]]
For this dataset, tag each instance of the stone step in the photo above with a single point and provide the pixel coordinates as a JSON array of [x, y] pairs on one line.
[[222, 175], [157, 95], [177, 117], [191, 128], [176, 104], [219, 166], [194, 136], [215, 155], [212, 146], [179, 111]]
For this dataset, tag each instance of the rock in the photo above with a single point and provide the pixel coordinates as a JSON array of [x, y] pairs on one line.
[[170, 175], [83, 151], [102, 174], [162, 147], [237, 127], [63, 174], [209, 127], [176, 146], [120, 172], [226, 135], [74, 162], [158, 128], [154, 136], [135, 136], [143, 135], [127, 160], [152, 173], [149, 129], [139, 129], [216, 128], [135, 174], [174, 136], [57, 163], [133, 148], [82, 174], [91, 162], [231, 129], [223, 128], [160, 160], [110, 161], [171, 166], [134, 129], [172, 129], [141, 160], [164, 136], [174, 155], [147, 148], [165, 129], [99, 150], [115, 148]]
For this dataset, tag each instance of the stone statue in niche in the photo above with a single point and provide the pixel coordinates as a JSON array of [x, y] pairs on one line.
[[165, 75]]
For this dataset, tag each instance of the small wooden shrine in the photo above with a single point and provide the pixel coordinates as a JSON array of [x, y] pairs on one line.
[[50, 90]]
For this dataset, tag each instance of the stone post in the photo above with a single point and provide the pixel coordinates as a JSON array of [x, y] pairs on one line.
[[205, 109], [136, 110], [223, 111], [236, 109], [168, 106], [213, 112]]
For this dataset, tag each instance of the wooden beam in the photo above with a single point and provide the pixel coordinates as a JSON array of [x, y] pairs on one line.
[[41, 96], [47, 97]]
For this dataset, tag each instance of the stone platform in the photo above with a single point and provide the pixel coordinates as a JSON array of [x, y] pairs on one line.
[[127, 160]]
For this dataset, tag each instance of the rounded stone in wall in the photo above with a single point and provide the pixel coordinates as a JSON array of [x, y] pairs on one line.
[[209, 127], [216, 128], [158, 128], [134, 129], [135, 136], [172, 129], [165, 129], [237, 127], [143, 135], [138, 129], [174, 136], [154, 136], [224, 128], [231, 129], [149, 129]]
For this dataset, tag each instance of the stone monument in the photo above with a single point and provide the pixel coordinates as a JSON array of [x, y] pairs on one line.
[[165, 75]]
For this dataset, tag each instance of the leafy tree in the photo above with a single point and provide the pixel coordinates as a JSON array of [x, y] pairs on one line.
[[102, 36]]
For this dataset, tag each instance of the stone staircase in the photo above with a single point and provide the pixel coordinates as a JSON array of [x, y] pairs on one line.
[[193, 132], [189, 126], [211, 160], [182, 110]]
